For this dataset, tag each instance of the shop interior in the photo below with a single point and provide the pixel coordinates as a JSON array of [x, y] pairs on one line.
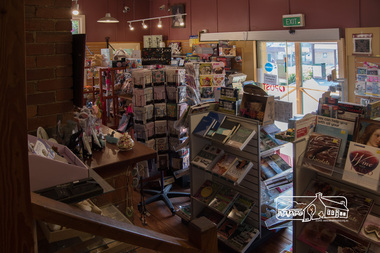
[[190, 126]]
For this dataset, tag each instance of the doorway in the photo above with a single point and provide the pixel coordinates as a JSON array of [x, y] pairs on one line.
[[299, 72]]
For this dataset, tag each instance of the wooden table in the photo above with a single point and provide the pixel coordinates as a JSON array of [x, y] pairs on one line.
[[116, 167]]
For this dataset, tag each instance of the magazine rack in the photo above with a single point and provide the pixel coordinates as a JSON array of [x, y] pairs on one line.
[[302, 178], [249, 186]]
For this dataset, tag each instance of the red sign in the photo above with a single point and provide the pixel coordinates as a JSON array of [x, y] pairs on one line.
[[271, 87]]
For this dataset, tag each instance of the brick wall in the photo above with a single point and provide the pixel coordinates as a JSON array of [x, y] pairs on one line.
[[48, 63]]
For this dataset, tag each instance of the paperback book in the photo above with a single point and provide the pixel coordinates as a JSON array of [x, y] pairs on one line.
[[203, 126], [223, 199], [358, 205], [218, 117], [207, 157], [238, 170], [226, 229], [240, 209], [224, 164], [362, 165], [243, 237], [371, 229], [207, 191], [266, 171], [241, 138], [321, 153], [344, 242], [225, 130]]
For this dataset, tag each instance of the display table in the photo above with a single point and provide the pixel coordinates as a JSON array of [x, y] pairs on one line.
[[115, 167]]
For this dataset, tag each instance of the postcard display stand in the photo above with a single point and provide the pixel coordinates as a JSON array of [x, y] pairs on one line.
[[159, 99], [302, 181], [248, 187]]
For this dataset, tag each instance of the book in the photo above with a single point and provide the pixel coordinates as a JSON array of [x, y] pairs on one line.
[[371, 229], [279, 160], [207, 191], [212, 215], [225, 130], [226, 229], [321, 153], [218, 117], [243, 237], [241, 138], [266, 171], [273, 165], [203, 126], [362, 165], [344, 242], [266, 142], [317, 235], [207, 157], [238, 170], [224, 163], [184, 212], [337, 132], [223, 199], [240, 209], [359, 206]]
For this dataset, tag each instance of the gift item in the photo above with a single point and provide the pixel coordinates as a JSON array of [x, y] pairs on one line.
[[125, 142]]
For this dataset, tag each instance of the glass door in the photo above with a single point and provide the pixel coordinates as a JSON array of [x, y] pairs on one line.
[[298, 72]]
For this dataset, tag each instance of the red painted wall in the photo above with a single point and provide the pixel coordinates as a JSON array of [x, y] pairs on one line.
[[224, 16]]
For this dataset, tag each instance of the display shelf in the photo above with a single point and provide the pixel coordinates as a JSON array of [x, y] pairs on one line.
[[249, 186], [302, 178]]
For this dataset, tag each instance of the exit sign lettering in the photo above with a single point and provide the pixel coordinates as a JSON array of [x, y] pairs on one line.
[[295, 20]]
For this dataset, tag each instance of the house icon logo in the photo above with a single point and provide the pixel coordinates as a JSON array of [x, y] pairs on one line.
[[312, 208]]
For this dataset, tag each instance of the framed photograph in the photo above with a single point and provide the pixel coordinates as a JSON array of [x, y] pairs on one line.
[[178, 21], [367, 132], [362, 43]]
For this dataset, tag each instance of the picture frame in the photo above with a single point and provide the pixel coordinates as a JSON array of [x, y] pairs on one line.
[[362, 43], [177, 10], [367, 132]]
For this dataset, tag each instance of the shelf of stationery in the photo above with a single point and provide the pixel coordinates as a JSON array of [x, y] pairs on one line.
[[248, 187]]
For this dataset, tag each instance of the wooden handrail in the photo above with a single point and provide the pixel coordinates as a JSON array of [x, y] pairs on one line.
[[55, 212]]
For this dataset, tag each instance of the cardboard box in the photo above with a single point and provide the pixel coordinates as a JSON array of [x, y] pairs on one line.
[[45, 172], [257, 104]]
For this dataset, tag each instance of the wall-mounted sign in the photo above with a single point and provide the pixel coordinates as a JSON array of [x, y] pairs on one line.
[[294, 20], [268, 67]]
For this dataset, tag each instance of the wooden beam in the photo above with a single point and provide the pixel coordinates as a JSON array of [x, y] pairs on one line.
[[59, 213], [16, 230], [299, 77]]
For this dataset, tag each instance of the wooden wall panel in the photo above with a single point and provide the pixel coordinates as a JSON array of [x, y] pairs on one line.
[[233, 16], [262, 19]]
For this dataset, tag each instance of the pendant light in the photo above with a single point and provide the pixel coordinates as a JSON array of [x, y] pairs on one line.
[[159, 25], [107, 18]]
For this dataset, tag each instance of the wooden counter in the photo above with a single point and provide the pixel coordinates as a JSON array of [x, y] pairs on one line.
[[116, 167]]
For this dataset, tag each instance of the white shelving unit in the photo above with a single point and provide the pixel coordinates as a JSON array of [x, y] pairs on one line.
[[303, 177], [250, 186]]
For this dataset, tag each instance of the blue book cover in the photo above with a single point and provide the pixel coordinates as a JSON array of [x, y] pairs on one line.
[[336, 132], [203, 126]]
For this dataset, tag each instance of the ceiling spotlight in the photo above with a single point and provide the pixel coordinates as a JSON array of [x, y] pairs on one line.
[[75, 8], [162, 7], [144, 25], [126, 9], [181, 23], [131, 27], [159, 25]]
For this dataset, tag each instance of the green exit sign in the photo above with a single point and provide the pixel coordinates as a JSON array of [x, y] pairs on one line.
[[295, 20]]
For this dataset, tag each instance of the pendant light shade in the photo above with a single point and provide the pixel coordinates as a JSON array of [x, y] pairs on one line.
[[107, 18]]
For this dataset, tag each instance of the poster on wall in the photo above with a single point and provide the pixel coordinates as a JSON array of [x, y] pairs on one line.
[[362, 43]]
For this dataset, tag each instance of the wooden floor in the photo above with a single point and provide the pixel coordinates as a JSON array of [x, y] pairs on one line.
[[160, 219]]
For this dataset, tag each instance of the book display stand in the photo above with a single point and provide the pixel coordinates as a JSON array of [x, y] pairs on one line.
[[217, 197], [352, 183]]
